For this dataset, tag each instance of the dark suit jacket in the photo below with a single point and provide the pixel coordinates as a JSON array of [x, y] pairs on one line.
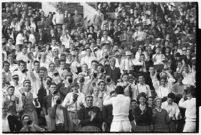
[[44, 37], [67, 123], [114, 74], [107, 116], [83, 116], [47, 102], [145, 118]]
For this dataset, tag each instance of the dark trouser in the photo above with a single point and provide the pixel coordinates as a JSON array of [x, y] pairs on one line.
[[180, 126], [181, 122], [14, 124], [41, 119], [59, 127], [108, 127], [173, 126], [159, 67], [90, 129]]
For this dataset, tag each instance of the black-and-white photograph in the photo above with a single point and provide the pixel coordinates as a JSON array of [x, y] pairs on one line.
[[100, 67]]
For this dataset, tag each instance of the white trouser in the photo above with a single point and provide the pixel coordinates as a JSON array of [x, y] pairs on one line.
[[190, 126], [120, 124]]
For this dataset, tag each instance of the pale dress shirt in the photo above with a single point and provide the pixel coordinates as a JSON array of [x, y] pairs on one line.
[[162, 91], [139, 35], [107, 39], [87, 60], [65, 40], [22, 56], [59, 119], [143, 88], [73, 106], [36, 84], [189, 79], [172, 109], [20, 39], [97, 101], [118, 62], [33, 26], [74, 66], [120, 103], [4, 55], [13, 67], [49, 58], [7, 75], [138, 63], [58, 19], [32, 39], [190, 106], [16, 26], [127, 64], [159, 58], [137, 55], [110, 88], [22, 76]]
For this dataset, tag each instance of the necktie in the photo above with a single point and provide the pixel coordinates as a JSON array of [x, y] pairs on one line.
[[41, 81], [128, 64]]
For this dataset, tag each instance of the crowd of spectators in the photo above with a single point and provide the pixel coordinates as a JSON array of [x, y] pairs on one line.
[[57, 74]]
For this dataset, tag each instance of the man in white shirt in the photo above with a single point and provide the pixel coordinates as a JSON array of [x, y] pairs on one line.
[[106, 39], [173, 111], [139, 35], [73, 102], [162, 88], [21, 71], [158, 57], [10, 44], [58, 18], [121, 105], [23, 55], [127, 63], [18, 89], [188, 101], [13, 66], [6, 71], [128, 87], [88, 58], [142, 87]]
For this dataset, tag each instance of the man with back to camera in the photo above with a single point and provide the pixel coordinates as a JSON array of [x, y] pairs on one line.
[[121, 105], [188, 101]]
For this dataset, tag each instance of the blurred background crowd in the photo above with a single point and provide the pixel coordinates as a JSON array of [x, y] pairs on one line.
[[59, 68]]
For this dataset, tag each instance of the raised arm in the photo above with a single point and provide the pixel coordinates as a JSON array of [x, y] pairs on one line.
[[107, 100]]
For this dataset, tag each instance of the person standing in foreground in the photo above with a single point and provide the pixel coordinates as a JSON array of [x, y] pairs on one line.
[[188, 101], [90, 117], [121, 105], [143, 115], [74, 101]]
